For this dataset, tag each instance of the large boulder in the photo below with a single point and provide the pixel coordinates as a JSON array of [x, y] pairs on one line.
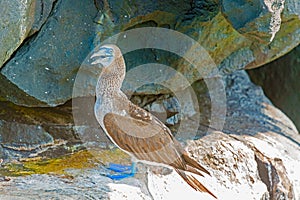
[[241, 127], [45, 66], [205, 50], [19, 20], [280, 81], [24, 132], [260, 20]]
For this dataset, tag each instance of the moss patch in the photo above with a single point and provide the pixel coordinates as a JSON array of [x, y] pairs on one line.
[[79, 160]]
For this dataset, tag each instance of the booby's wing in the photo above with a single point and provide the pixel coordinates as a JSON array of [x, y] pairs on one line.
[[141, 114], [146, 140], [149, 141]]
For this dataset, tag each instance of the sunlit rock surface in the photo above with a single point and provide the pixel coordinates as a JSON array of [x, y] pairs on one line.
[[250, 161], [253, 155]]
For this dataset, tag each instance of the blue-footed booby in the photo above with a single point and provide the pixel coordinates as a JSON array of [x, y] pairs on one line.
[[134, 130]]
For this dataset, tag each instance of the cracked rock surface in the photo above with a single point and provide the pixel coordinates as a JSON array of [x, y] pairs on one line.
[[249, 145], [256, 164]]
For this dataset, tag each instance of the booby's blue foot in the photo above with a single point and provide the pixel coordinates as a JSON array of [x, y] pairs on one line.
[[119, 176], [123, 171], [119, 168]]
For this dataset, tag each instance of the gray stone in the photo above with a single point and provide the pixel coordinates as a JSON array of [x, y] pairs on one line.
[[42, 11], [85, 184], [280, 82], [10, 92], [29, 131], [45, 67], [93, 137], [19, 20], [292, 8], [249, 110], [23, 138], [258, 20], [16, 19]]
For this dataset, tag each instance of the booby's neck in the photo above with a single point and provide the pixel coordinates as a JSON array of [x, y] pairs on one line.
[[111, 78]]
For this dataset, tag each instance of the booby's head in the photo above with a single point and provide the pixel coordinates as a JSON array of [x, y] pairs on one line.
[[110, 58], [106, 55]]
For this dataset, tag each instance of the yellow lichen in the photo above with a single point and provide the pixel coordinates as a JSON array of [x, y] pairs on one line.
[[79, 160]]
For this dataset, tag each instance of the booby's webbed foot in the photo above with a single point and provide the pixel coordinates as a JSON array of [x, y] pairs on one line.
[[119, 176], [124, 171], [119, 168]]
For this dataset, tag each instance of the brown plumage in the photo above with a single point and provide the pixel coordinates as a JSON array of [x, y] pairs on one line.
[[133, 129]]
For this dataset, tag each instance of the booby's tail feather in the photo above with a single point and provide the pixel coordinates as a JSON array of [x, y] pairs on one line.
[[193, 182], [194, 164]]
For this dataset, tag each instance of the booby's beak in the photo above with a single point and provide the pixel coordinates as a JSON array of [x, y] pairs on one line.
[[102, 54], [96, 55]]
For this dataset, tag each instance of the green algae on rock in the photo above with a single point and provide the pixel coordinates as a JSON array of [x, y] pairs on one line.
[[83, 159]]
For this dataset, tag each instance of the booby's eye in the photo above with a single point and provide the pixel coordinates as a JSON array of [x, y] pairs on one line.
[[110, 51]]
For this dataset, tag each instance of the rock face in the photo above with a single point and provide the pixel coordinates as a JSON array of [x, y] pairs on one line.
[[238, 134], [26, 131], [255, 161], [259, 20], [279, 79], [60, 34], [13, 30], [19, 20], [257, 153], [45, 67], [87, 185]]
